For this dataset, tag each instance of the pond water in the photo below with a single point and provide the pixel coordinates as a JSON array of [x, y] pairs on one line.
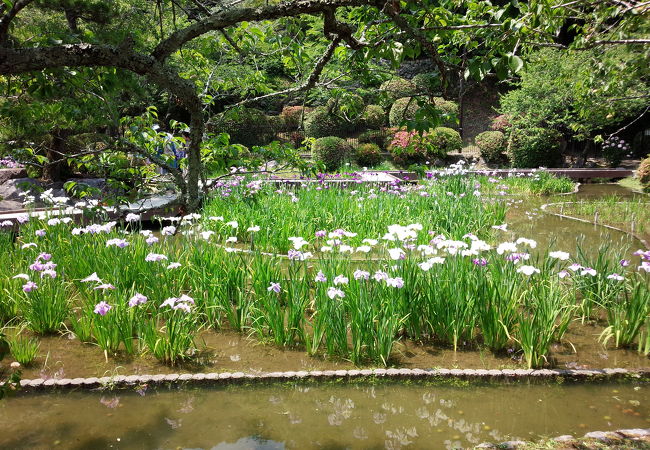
[[309, 415], [557, 233]]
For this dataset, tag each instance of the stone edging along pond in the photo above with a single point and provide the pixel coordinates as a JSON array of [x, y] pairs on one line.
[[118, 381]]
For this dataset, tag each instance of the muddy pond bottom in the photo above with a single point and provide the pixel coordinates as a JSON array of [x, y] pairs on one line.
[[304, 415]]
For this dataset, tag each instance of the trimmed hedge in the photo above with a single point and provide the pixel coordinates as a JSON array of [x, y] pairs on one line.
[[492, 144], [534, 147], [445, 140], [403, 109], [426, 83], [246, 126], [409, 147], [321, 123], [331, 151], [368, 155], [373, 117], [397, 88], [447, 107]]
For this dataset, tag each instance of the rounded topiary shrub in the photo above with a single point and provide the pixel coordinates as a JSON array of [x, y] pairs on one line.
[[403, 109], [643, 173], [426, 83], [368, 155], [534, 147], [331, 151], [293, 117], [397, 88], [321, 123], [409, 147], [443, 140], [373, 117], [447, 107], [246, 126], [492, 144]]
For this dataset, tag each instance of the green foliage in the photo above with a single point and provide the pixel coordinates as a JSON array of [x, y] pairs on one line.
[[448, 110], [346, 105], [276, 123], [410, 147], [24, 349], [377, 137], [373, 117], [643, 173], [331, 151], [444, 140], [534, 147], [403, 109], [562, 90], [246, 126], [493, 145], [321, 123], [427, 83], [368, 155], [397, 88]]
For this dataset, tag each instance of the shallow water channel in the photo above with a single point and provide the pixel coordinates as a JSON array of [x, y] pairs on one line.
[[556, 233], [333, 415]]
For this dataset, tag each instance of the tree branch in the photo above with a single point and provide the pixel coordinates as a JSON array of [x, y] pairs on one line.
[[310, 82], [6, 19], [226, 18]]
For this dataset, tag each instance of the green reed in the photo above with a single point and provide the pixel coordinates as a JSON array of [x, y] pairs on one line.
[[627, 316], [24, 349]]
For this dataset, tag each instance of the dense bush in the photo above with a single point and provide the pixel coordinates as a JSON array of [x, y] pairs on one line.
[[321, 123], [347, 105], [368, 155], [534, 147], [246, 126], [448, 107], [444, 140], [643, 173], [277, 123], [397, 88], [563, 90], [426, 83], [373, 117], [292, 116], [331, 151], [409, 147], [403, 109], [614, 150], [500, 123], [377, 137], [492, 144]]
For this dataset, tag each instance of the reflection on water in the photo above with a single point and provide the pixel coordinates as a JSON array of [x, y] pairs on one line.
[[308, 415]]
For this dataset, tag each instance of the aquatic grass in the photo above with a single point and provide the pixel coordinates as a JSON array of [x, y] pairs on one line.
[[627, 316], [543, 320], [448, 206], [24, 349], [220, 281], [45, 307], [630, 214], [170, 336]]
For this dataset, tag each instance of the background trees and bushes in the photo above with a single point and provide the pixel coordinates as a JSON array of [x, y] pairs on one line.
[[79, 78]]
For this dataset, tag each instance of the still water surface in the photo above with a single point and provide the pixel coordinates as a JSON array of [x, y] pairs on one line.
[[308, 415]]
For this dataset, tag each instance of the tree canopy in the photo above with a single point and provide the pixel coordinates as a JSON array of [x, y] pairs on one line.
[[69, 67]]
